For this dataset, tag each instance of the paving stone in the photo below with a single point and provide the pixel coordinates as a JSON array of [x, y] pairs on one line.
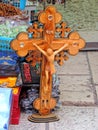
[[76, 118], [96, 118], [24, 124], [77, 98], [96, 87], [77, 83], [71, 118], [76, 90], [93, 58], [74, 65]]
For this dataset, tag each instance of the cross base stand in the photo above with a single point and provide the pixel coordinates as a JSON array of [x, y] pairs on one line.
[[43, 119]]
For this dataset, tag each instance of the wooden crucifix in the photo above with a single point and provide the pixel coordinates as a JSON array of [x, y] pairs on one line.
[[45, 41]]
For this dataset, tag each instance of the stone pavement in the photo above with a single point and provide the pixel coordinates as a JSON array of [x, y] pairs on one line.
[[79, 96], [79, 80]]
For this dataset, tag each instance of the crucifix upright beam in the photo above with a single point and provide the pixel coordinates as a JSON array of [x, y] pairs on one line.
[[44, 40]]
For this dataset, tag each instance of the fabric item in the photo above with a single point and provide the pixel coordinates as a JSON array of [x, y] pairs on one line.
[[5, 107]]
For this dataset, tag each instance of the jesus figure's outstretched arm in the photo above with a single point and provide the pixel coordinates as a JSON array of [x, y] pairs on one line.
[[60, 49]]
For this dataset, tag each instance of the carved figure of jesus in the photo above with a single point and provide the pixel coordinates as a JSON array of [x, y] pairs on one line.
[[49, 66]]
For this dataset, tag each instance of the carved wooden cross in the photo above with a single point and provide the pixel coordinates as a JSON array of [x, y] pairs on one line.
[[37, 32], [60, 58], [49, 45], [63, 29]]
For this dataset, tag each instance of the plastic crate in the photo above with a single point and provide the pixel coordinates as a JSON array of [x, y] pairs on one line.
[[17, 3], [7, 55], [5, 49], [5, 44]]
